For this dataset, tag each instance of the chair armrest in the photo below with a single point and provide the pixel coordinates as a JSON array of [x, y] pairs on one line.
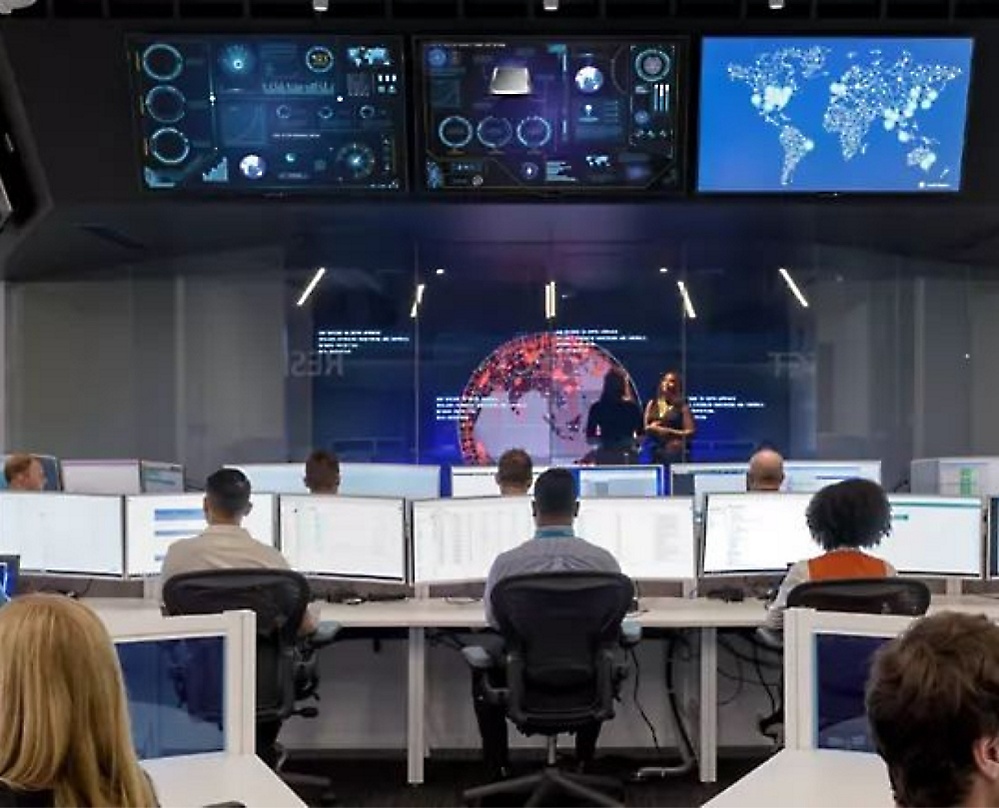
[[324, 634], [631, 634], [477, 658]]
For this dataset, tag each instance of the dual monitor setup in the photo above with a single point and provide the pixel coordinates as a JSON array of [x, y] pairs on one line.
[[453, 116]]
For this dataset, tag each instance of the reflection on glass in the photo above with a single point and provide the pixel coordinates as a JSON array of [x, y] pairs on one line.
[[842, 664]]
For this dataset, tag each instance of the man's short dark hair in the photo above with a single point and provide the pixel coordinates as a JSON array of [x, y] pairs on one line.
[[555, 493], [932, 693], [322, 470], [851, 513], [515, 468], [228, 491]]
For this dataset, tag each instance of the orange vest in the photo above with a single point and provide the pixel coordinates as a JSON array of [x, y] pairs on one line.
[[845, 564]]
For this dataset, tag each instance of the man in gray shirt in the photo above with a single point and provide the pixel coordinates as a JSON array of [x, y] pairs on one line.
[[554, 548]]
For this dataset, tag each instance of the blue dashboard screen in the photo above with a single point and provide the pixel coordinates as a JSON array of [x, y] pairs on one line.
[[552, 116], [270, 113], [834, 114]]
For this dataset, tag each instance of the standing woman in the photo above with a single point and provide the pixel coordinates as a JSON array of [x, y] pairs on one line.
[[66, 738], [669, 422], [614, 422]]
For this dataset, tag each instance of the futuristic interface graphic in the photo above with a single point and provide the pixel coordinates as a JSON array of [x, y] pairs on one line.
[[533, 392], [268, 113]]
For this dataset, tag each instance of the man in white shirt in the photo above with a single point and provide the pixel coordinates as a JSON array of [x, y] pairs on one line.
[[226, 544]]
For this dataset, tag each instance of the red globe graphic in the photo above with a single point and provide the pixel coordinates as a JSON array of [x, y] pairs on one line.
[[534, 392]]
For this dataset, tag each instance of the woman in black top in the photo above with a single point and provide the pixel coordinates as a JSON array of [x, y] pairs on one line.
[[614, 421], [669, 421]]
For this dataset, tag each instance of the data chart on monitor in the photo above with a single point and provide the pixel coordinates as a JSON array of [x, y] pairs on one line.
[[246, 113], [746, 533], [552, 115], [833, 114]]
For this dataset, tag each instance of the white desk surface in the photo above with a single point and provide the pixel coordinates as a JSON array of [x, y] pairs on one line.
[[458, 613], [206, 779], [811, 779]]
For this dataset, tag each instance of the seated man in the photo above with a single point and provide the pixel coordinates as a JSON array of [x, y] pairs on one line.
[[554, 548], [766, 471], [933, 707], [322, 473], [24, 472], [515, 473], [226, 545]]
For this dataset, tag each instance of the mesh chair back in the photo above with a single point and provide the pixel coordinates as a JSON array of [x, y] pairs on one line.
[[561, 632], [279, 598], [901, 596]]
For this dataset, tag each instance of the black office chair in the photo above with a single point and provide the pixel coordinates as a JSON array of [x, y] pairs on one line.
[[286, 663], [562, 634], [897, 596]]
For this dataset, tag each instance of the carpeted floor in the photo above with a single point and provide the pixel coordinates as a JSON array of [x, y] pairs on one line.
[[383, 782]]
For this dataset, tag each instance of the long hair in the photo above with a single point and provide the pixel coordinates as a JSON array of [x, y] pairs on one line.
[[615, 386], [66, 725]]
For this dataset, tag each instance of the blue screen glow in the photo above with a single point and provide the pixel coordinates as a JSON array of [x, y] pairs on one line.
[[828, 115]]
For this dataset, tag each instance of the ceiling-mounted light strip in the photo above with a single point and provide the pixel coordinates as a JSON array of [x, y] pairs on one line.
[[417, 300], [550, 297], [312, 286], [793, 287], [688, 304]]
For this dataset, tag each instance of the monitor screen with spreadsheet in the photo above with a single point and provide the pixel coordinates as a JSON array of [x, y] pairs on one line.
[[153, 522], [71, 533], [480, 481], [176, 694], [809, 476], [458, 539], [619, 481], [390, 480], [650, 538], [345, 537], [755, 533], [934, 536]]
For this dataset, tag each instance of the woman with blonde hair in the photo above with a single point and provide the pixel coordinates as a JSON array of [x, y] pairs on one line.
[[66, 737]]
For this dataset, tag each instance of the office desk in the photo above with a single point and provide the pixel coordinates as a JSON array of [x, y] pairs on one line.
[[811, 779], [207, 779]]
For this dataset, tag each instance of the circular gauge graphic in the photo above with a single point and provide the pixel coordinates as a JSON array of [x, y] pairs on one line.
[[534, 132], [530, 171], [237, 60], [367, 112], [652, 64], [283, 112], [253, 167], [356, 161], [319, 59], [170, 146], [165, 104], [494, 133], [162, 62], [589, 79], [325, 113], [455, 132], [538, 388], [437, 57]]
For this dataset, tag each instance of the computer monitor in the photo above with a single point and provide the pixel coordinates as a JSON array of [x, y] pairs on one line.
[[650, 538], [187, 679], [10, 571], [934, 536], [274, 478], [458, 539], [390, 480], [121, 477], [480, 481], [51, 467], [154, 521], [69, 533], [619, 481], [345, 537], [842, 666], [809, 476], [700, 479], [161, 478], [966, 476], [755, 533]]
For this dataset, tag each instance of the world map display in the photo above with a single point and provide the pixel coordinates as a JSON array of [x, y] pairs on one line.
[[847, 114]]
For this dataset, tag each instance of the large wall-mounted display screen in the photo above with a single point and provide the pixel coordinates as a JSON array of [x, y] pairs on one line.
[[833, 114], [253, 113], [552, 115]]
